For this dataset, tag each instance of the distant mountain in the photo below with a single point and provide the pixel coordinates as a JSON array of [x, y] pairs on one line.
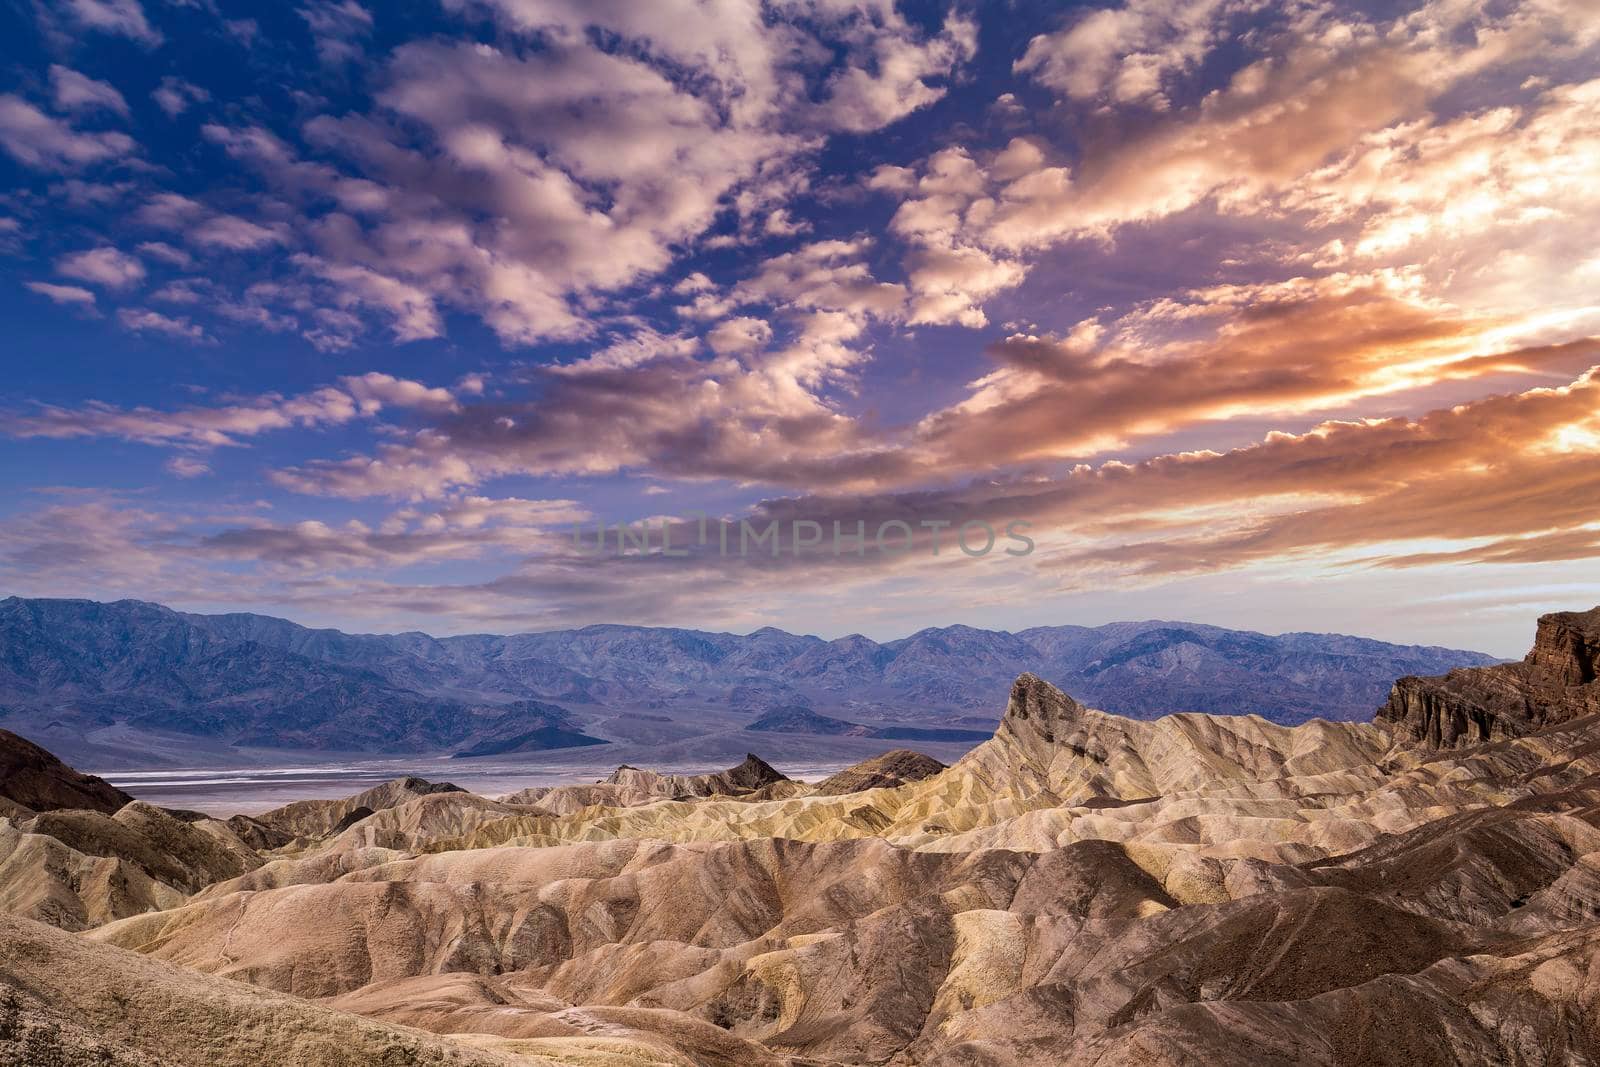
[[130, 670], [539, 739], [798, 720]]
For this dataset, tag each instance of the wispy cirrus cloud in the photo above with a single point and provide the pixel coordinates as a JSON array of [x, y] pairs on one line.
[[225, 425]]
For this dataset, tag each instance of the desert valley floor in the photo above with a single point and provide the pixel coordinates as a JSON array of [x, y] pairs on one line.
[[1083, 888]]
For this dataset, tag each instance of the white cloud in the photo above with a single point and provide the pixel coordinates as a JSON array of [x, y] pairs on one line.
[[187, 467], [124, 18], [105, 266], [71, 295], [337, 26], [887, 80], [143, 320], [524, 181], [175, 96], [742, 334], [1128, 54], [356, 396], [78, 92], [634, 350], [233, 233], [824, 275], [47, 143], [166, 253], [412, 313]]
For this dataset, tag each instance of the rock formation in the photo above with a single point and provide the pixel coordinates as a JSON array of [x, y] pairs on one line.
[[32, 778], [631, 786], [887, 771], [315, 818], [1556, 682]]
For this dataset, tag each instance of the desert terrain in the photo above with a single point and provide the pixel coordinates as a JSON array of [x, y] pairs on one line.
[[1082, 888]]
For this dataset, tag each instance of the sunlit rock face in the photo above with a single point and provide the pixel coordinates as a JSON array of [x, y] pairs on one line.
[[1554, 683]]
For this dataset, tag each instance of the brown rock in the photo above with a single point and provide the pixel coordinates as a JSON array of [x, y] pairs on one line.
[[35, 779], [891, 769], [1554, 683]]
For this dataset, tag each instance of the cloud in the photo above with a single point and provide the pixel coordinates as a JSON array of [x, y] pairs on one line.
[[175, 96], [1484, 201], [823, 275], [46, 143], [169, 211], [522, 181], [361, 396], [123, 18], [888, 80], [374, 391], [143, 320], [648, 406], [1127, 54], [70, 295], [1280, 349], [234, 234], [1329, 79], [633, 350], [1513, 469], [175, 257], [187, 467], [337, 26], [950, 274], [99, 543], [1503, 480], [79, 92], [105, 266], [412, 313], [742, 334]]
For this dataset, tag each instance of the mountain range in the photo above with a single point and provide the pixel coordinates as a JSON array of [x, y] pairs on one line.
[[1082, 889], [135, 676]]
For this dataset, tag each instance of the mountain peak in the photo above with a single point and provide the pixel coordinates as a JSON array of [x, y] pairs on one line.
[[1036, 707]]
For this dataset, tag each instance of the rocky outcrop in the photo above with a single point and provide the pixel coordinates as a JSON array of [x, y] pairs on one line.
[[628, 787], [319, 818], [1555, 683], [750, 775], [1466, 939], [36, 780], [881, 772], [1566, 648]]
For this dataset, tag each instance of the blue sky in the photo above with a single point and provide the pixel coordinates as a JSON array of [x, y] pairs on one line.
[[1276, 316]]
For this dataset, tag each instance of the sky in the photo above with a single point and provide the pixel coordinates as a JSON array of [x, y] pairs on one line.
[[1281, 316]]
